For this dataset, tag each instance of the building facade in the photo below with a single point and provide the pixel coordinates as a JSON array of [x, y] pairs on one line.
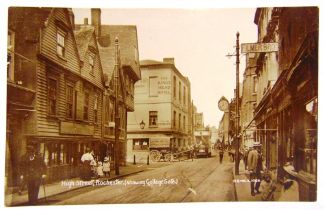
[[286, 112], [62, 113], [162, 111], [118, 51], [60, 94], [248, 101]]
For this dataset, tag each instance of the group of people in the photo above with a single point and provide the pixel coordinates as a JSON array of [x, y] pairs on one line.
[[91, 167], [260, 179], [254, 164], [32, 170]]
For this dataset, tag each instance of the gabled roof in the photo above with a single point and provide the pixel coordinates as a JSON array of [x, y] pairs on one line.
[[127, 36], [82, 38]]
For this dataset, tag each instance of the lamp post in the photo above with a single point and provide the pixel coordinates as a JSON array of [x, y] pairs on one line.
[[117, 119], [237, 96]]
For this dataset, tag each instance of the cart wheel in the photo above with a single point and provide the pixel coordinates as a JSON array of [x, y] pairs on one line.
[[167, 157], [155, 155]]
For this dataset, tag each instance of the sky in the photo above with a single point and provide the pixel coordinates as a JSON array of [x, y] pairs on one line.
[[198, 39]]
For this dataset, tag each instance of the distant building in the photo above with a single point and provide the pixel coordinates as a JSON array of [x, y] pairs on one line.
[[199, 121], [223, 129], [248, 101], [214, 134], [162, 116]]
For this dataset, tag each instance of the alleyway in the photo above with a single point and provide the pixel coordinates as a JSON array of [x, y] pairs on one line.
[[201, 180]]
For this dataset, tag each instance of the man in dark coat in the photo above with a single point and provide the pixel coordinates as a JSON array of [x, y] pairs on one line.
[[255, 167], [32, 169], [221, 155]]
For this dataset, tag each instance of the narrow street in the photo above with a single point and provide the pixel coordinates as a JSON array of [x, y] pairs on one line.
[[194, 181]]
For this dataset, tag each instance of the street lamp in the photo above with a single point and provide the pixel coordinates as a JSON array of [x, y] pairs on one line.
[[237, 96], [117, 119], [142, 124]]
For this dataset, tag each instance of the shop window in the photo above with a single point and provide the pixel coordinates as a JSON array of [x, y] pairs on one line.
[[309, 151], [153, 117], [57, 153], [140, 144]]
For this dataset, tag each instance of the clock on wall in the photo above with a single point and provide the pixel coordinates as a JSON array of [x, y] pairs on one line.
[[223, 104]]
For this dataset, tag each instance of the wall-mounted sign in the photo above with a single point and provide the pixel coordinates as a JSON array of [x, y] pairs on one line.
[[259, 47], [160, 142]]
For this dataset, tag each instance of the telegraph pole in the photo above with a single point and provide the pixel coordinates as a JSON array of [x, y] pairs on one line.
[[237, 97], [117, 119]]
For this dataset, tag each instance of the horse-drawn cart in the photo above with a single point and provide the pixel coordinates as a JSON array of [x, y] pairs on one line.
[[168, 156], [162, 150]]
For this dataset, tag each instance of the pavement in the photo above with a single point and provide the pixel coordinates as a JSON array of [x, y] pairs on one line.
[[12, 198], [243, 189], [242, 185]]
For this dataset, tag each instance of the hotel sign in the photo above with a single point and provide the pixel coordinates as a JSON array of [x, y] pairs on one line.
[[259, 47], [160, 142]]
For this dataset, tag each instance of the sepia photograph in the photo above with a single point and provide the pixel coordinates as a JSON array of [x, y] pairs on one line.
[[161, 105]]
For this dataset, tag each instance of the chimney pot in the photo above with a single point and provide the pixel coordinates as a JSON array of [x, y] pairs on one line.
[[168, 60]]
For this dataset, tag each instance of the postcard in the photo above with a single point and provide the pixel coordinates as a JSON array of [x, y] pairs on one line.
[[123, 106]]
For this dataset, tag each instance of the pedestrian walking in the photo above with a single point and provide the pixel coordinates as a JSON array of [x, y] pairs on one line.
[[86, 159], [255, 167], [221, 155], [33, 170], [106, 167]]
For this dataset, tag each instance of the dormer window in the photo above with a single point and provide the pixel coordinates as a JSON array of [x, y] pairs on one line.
[[60, 41]]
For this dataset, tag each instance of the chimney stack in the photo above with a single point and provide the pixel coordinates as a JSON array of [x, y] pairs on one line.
[[168, 60], [96, 20]]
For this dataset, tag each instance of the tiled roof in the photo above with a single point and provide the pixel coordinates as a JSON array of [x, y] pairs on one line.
[[82, 37]]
